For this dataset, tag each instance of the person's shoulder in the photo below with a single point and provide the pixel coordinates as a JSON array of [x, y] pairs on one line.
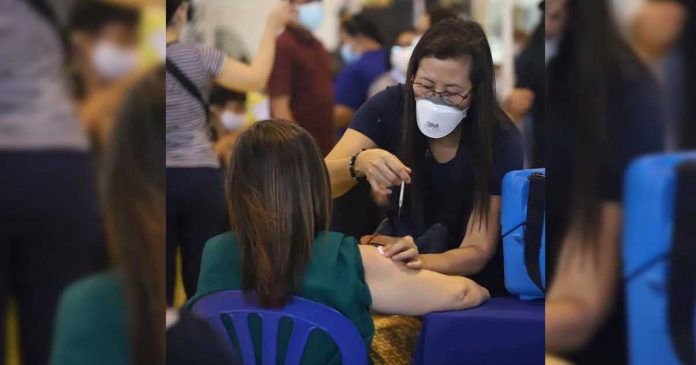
[[223, 242], [94, 292]]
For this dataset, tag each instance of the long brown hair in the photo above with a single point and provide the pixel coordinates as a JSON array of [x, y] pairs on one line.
[[279, 200], [135, 212]]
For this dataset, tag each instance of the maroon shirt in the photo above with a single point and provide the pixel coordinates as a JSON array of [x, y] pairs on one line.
[[301, 71]]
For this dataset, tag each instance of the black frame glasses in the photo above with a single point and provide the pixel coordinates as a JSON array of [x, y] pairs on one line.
[[450, 98]]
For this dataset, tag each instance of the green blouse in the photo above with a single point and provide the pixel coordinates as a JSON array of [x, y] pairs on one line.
[[334, 276], [91, 323]]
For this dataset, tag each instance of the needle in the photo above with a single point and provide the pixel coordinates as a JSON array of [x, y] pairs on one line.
[[401, 200]]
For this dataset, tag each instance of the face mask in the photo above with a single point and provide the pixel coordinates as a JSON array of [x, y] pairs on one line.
[[113, 62], [399, 58], [347, 53], [311, 15], [435, 119], [231, 120]]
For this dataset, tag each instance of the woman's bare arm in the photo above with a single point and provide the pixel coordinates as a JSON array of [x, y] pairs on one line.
[[581, 295], [396, 289]]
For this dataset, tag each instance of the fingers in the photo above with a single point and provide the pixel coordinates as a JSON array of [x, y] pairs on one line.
[[403, 245], [399, 169], [416, 264], [377, 188], [407, 255]]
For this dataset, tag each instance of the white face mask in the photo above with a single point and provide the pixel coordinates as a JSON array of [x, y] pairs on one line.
[[231, 120], [400, 56], [436, 120], [113, 62]]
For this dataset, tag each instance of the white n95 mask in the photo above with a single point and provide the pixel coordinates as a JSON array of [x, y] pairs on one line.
[[436, 120], [113, 62], [232, 121]]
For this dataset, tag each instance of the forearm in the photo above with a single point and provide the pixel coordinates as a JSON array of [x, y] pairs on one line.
[[339, 176], [263, 61], [463, 261], [567, 326]]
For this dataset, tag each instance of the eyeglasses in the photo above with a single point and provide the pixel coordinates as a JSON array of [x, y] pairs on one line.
[[450, 98]]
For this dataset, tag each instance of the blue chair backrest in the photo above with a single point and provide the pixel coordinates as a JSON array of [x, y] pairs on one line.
[[524, 262], [306, 315], [648, 236]]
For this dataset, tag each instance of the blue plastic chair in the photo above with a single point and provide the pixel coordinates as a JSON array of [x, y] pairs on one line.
[[306, 315]]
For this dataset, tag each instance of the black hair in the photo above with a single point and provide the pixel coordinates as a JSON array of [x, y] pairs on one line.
[[439, 14], [362, 24], [91, 16], [592, 57], [220, 96], [172, 7], [454, 39]]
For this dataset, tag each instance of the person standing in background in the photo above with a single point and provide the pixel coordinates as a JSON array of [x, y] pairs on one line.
[[105, 56], [51, 230], [228, 114], [196, 207], [366, 59], [300, 87], [654, 31]]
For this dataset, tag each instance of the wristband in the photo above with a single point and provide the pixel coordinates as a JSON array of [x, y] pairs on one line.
[[351, 167]]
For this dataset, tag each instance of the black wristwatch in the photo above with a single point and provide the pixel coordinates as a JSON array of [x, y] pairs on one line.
[[351, 167]]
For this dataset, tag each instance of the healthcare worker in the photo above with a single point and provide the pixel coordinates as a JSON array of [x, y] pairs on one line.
[[444, 135]]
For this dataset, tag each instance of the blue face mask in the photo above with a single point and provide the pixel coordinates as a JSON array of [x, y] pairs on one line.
[[311, 15], [347, 53]]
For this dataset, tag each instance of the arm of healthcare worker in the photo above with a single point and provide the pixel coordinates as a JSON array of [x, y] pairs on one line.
[[396, 289], [239, 76], [582, 292], [478, 246], [381, 168]]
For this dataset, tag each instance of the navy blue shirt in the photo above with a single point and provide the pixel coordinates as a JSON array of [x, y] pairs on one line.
[[353, 82], [448, 186]]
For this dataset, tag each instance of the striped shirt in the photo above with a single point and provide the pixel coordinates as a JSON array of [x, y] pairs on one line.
[[188, 143], [36, 109]]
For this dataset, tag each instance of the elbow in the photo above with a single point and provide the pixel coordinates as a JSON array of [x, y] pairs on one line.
[[258, 84], [470, 294]]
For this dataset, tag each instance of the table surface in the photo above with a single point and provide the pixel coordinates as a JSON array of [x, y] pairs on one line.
[[501, 331]]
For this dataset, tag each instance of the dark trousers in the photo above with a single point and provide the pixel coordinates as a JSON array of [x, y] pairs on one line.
[[196, 212], [51, 233]]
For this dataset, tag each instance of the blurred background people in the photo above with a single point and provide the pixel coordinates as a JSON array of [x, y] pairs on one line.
[[196, 207], [433, 16], [526, 102], [228, 113], [104, 52], [654, 29], [397, 63], [603, 111], [51, 231], [300, 85], [363, 52]]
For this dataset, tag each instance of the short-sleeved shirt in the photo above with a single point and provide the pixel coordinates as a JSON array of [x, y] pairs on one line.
[[301, 71], [334, 276], [188, 141], [36, 110], [353, 82], [91, 323], [448, 187]]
